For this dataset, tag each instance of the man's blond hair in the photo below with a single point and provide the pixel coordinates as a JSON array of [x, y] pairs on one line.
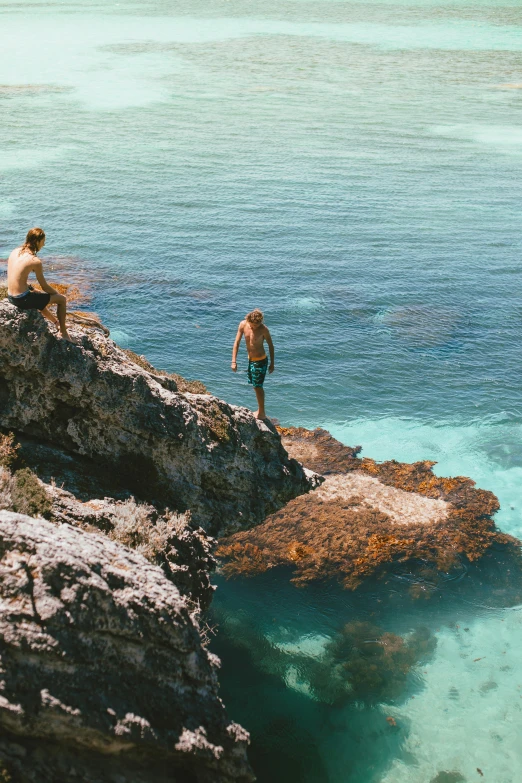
[[255, 317]]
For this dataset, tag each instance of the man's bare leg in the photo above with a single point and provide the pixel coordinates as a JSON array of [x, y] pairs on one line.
[[260, 395], [61, 310], [50, 316]]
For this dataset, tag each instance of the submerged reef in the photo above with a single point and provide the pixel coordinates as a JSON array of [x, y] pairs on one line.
[[368, 519], [362, 663]]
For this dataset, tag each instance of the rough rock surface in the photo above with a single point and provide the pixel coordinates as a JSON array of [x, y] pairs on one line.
[[184, 553], [368, 519], [191, 451], [403, 507], [182, 549], [103, 674]]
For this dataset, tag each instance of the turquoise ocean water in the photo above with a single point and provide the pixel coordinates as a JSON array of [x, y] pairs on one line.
[[354, 169]]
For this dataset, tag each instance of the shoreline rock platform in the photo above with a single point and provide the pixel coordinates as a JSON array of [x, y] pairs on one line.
[[366, 519]]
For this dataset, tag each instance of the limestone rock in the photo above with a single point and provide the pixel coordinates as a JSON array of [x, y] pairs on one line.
[[170, 540], [103, 674], [182, 550], [190, 451]]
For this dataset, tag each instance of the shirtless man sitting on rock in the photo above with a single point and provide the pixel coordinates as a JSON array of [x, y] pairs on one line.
[[22, 261], [255, 333]]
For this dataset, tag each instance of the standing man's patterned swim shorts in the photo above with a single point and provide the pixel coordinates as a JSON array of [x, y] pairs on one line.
[[257, 372]]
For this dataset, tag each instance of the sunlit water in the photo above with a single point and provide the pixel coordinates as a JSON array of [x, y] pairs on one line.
[[353, 169]]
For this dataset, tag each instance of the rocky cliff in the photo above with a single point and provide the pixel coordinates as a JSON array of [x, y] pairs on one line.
[[189, 451], [103, 674]]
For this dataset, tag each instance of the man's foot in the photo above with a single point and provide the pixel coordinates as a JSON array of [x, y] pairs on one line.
[[65, 336], [260, 415]]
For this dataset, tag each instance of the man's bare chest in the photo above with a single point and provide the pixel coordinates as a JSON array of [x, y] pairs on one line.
[[254, 339]]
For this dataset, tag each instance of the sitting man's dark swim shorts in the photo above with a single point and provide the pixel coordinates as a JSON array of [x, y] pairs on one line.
[[30, 300], [257, 372]]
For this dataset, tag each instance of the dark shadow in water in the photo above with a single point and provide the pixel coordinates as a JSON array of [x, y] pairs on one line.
[[290, 732]]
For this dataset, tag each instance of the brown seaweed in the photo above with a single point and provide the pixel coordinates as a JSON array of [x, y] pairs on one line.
[[363, 663], [345, 540]]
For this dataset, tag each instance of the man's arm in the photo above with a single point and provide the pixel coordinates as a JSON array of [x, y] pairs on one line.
[[235, 349], [37, 269], [268, 338]]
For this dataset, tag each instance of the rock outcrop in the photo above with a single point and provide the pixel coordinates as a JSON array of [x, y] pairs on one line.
[[104, 677], [170, 540], [105, 672], [188, 451], [369, 519], [33, 482]]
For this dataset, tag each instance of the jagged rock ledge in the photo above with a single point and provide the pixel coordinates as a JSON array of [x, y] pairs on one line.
[[189, 451], [369, 519]]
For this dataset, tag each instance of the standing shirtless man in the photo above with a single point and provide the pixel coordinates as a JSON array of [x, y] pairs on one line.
[[20, 264], [255, 334]]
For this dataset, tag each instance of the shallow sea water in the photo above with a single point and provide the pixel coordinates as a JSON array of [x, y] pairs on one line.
[[353, 169]]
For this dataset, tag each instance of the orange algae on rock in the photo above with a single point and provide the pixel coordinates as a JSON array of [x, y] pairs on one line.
[[318, 450], [245, 559], [328, 535]]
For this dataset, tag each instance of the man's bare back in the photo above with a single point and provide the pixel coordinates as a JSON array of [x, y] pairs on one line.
[[20, 264]]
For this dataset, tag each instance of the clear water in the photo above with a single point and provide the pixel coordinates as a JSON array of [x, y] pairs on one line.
[[353, 169]]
